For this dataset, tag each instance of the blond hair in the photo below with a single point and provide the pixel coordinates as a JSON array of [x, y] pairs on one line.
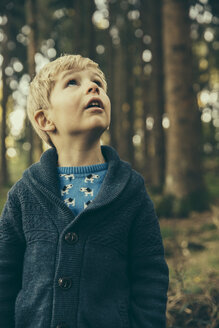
[[44, 82]]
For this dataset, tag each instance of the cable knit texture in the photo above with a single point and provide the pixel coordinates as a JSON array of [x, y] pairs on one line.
[[103, 268]]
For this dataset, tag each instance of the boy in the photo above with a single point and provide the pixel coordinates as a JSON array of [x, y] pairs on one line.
[[80, 244]]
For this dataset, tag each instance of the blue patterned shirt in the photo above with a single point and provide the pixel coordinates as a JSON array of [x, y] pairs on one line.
[[79, 185]]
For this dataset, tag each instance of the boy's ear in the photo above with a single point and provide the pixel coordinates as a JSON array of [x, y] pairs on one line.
[[43, 121]]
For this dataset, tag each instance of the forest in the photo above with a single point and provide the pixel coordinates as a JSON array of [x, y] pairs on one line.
[[161, 62]]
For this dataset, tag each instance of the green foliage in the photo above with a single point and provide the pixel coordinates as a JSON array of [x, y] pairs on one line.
[[3, 192], [212, 182], [171, 206], [181, 207], [17, 165], [198, 200], [208, 227], [167, 232], [164, 205], [212, 237]]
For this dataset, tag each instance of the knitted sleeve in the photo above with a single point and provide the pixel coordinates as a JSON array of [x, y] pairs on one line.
[[11, 255], [149, 271]]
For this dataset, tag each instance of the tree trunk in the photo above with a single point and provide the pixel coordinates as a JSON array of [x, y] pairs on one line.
[[4, 176], [146, 87], [80, 27], [129, 114], [90, 44], [127, 89], [156, 96], [115, 84], [110, 79], [183, 166], [35, 141], [118, 101]]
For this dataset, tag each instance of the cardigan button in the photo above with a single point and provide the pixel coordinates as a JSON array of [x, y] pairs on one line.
[[71, 238], [62, 325], [65, 283]]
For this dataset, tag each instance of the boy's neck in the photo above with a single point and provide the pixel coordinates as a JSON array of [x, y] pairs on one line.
[[76, 156]]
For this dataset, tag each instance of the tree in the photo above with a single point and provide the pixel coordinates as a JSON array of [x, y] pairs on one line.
[[84, 28], [5, 95], [121, 61], [116, 81], [183, 149], [31, 19], [154, 94]]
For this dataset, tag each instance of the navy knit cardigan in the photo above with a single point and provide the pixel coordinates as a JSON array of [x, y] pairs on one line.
[[103, 268]]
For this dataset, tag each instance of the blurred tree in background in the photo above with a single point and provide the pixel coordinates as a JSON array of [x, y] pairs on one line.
[[161, 62]]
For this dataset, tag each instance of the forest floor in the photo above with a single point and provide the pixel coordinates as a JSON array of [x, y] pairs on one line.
[[191, 250]]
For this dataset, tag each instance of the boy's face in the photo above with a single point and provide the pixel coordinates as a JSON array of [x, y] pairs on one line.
[[69, 99]]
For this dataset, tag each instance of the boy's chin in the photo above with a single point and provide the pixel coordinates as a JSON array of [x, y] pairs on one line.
[[98, 127], [98, 130]]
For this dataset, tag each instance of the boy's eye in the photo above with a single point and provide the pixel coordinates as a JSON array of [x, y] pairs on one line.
[[98, 83], [71, 82]]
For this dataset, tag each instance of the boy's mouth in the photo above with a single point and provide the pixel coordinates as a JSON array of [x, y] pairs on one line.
[[95, 102]]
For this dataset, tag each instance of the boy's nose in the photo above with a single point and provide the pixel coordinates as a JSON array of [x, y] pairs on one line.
[[93, 89]]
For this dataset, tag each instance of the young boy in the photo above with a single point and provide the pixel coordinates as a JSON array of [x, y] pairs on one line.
[[80, 244]]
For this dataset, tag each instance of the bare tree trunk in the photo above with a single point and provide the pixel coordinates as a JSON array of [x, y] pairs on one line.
[[90, 34], [4, 176], [156, 96], [146, 133], [110, 79], [148, 146], [126, 89], [79, 32], [35, 141], [129, 114], [183, 170], [84, 33], [115, 83], [118, 100]]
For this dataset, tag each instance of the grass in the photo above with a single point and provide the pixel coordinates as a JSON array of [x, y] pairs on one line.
[[191, 248]]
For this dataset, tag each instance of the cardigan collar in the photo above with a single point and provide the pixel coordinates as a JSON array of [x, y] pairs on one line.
[[43, 175]]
